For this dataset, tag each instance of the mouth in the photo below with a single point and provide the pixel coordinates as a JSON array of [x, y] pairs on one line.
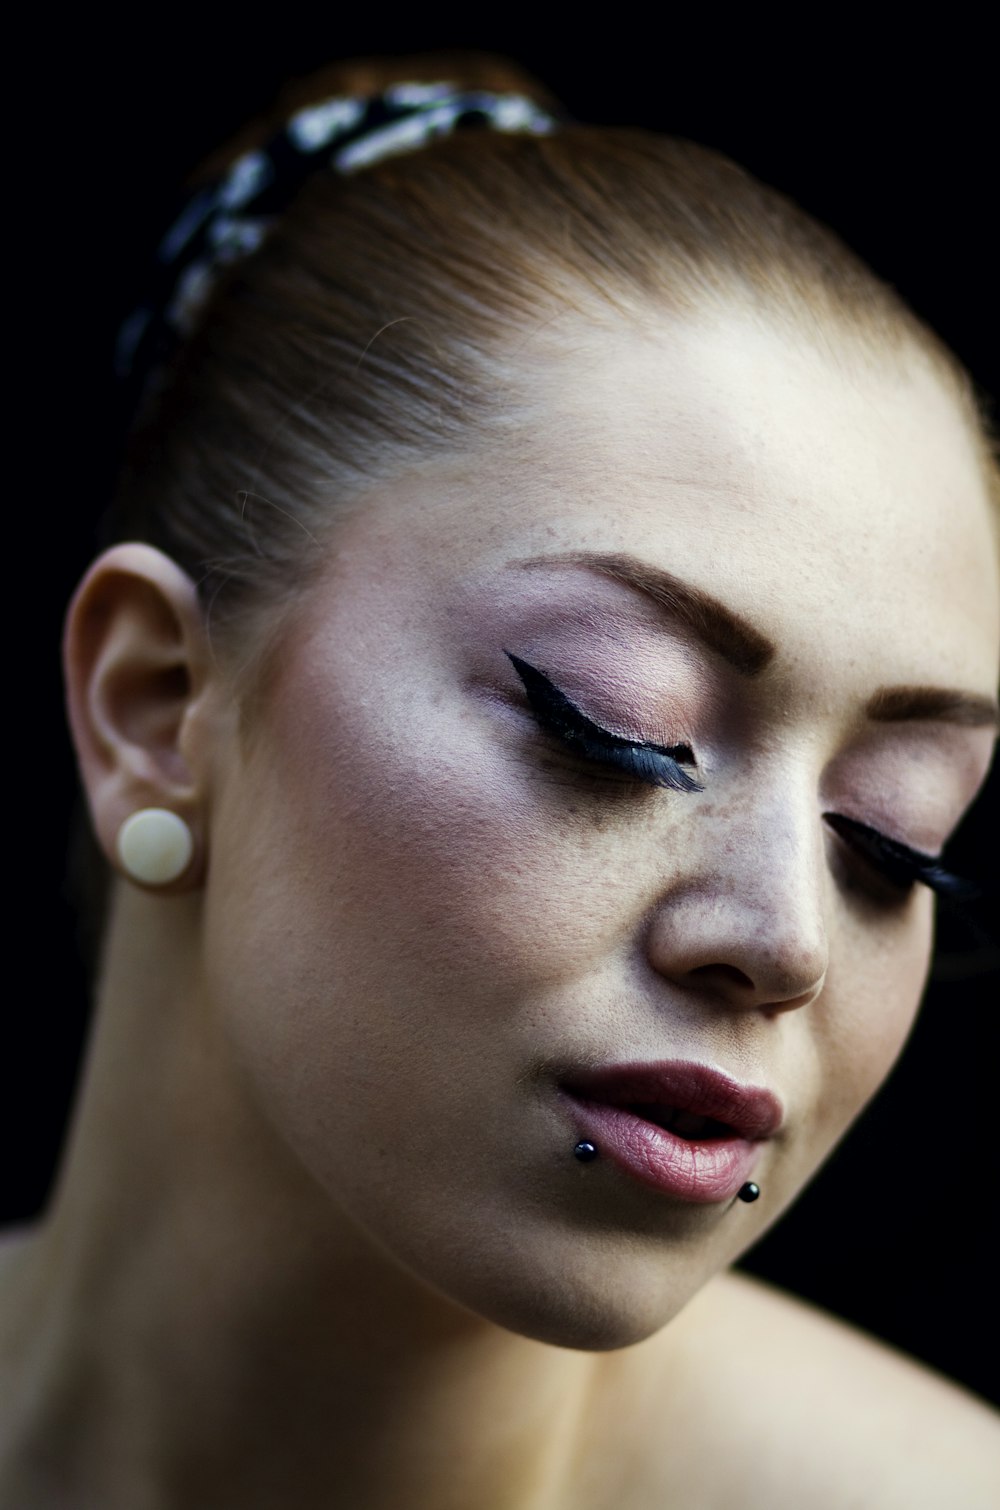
[[689, 1125], [682, 1128]]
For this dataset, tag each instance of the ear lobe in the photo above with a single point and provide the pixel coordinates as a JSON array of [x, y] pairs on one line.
[[136, 663]]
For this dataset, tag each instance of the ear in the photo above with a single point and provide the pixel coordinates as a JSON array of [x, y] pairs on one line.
[[136, 662]]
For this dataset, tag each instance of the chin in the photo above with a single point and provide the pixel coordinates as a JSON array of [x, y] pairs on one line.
[[614, 1301], [586, 1322]]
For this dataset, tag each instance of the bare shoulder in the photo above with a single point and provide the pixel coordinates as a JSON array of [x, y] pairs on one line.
[[828, 1416]]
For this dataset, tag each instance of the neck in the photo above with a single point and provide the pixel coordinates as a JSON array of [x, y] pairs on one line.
[[196, 1307]]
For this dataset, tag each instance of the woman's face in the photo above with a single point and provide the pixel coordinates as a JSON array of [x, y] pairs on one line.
[[437, 927]]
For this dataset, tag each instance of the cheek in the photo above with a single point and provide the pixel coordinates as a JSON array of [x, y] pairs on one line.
[[388, 910], [430, 852]]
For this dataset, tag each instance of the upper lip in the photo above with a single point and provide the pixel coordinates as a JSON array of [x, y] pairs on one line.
[[749, 1110]]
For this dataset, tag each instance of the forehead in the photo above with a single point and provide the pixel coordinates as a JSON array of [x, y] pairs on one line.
[[803, 485]]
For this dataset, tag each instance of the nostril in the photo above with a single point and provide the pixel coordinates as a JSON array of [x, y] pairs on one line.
[[723, 972]]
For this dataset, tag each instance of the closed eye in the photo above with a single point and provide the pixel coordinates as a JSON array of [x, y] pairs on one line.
[[659, 765], [656, 765], [897, 863]]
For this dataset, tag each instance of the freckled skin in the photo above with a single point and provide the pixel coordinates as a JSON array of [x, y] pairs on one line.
[[446, 909]]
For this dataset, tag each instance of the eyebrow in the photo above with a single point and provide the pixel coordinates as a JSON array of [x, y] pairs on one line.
[[723, 631], [748, 650], [894, 704]]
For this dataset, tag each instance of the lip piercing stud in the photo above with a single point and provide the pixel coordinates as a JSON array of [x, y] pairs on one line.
[[749, 1192], [585, 1152]]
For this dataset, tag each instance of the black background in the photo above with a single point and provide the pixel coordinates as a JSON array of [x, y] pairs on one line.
[[888, 138]]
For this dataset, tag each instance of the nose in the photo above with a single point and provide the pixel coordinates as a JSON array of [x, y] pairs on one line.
[[745, 923]]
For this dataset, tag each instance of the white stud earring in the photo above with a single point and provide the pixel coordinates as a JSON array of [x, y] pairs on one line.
[[154, 846]]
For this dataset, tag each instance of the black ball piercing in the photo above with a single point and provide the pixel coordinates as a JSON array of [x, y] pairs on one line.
[[585, 1152], [749, 1192]]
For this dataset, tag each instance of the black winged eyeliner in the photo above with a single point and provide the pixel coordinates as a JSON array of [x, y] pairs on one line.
[[654, 764], [899, 863]]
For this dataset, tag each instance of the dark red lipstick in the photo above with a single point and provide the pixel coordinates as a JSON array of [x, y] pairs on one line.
[[684, 1129]]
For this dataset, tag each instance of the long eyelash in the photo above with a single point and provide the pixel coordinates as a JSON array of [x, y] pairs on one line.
[[647, 762], [902, 866]]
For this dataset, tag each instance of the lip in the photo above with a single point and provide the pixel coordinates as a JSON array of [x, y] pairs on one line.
[[711, 1165]]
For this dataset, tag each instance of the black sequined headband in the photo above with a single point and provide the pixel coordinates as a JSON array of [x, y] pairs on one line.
[[228, 219]]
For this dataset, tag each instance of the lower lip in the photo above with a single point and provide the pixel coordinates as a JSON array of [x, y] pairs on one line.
[[701, 1172]]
